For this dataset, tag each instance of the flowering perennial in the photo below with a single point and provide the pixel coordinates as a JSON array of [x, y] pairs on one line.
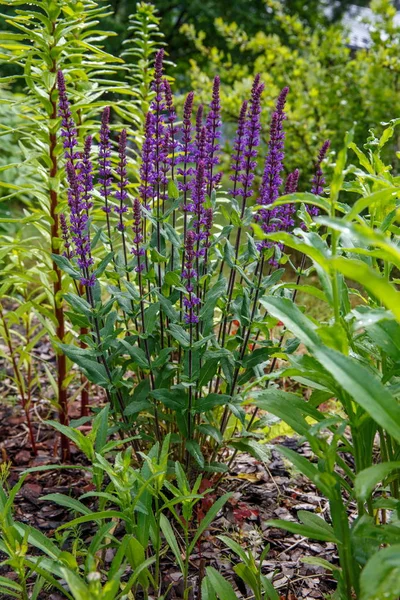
[[86, 175], [271, 220], [189, 274], [78, 227], [252, 141], [186, 145], [68, 127], [195, 151], [318, 181], [137, 249], [238, 149], [105, 175], [121, 194], [213, 134]]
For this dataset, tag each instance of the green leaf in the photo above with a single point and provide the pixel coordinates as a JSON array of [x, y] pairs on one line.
[[194, 450], [156, 257], [235, 547], [338, 173], [173, 191], [76, 584], [290, 408], [356, 379], [176, 399], [367, 479], [380, 577], [379, 198], [312, 531], [180, 335], [171, 278], [221, 587], [304, 466], [96, 516], [103, 264], [210, 401], [171, 540], [212, 431], [137, 354], [377, 285], [79, 304], [65, 265], [168, 309], [69, 502], [208, 519]]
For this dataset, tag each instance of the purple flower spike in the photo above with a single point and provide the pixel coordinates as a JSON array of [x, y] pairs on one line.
[[186, 158], [86, 175], [199, 129], [272, 178], [105, 175], [213, 127], [188, 274], [65, 236], [68, 127], [292, 182], [173, 145], [251, 142], [157, 107], [137, 250], [288, 211], [78, 227], [121, 194], [319, 180], [147, 173], [271, 220], [238, 149]]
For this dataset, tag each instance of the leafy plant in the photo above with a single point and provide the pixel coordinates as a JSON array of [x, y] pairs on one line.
[[353, 358]]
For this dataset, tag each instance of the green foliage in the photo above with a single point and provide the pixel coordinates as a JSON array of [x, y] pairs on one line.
[[353, 357], [326, 78]]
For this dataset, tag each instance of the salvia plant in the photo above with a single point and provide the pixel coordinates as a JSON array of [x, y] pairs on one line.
[[168, 294]]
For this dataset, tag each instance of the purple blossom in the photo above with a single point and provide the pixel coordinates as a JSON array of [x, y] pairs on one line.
[[186, 158], [172, 129], [288, 211], [157, 108], [86, 175], [79, 226], [292, 182], [213, 129], [198, 149], [147, 173], [137, 249], [238, 149], [251, 142], [318, 180], [68, 128], [65, 236], [188, 275], [197, 201], [272, 178], [105, 174], [121, 194]]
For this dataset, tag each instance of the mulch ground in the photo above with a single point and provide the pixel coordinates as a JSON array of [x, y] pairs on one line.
[[260, 493]]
